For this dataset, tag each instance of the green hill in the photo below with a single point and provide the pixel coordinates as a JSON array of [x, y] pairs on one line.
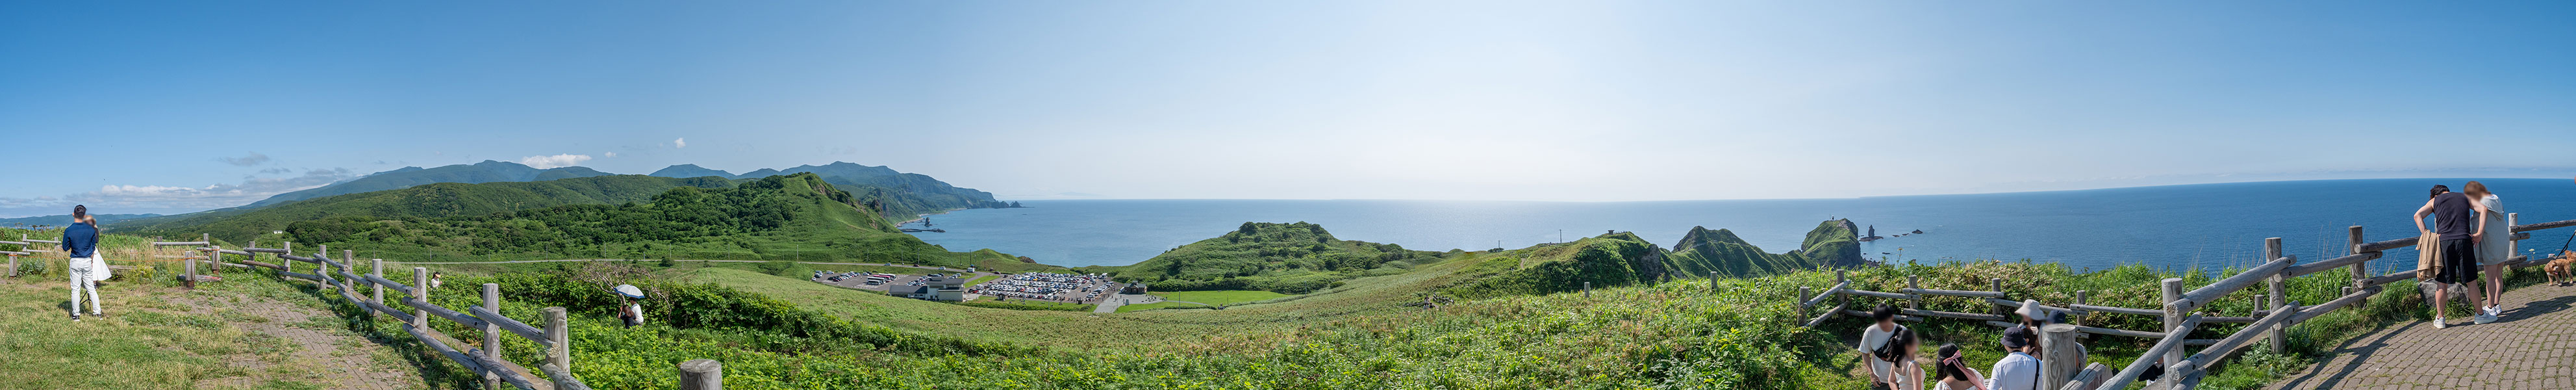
[[789, 217], [434, 200], [487, 171], [919, 194], [1834, 243], [1283, 257], [1702, 251]]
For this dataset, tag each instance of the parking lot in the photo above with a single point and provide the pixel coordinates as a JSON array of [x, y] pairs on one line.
[[1039, 286]]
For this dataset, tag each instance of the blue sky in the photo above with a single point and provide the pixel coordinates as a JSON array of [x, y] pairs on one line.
[[166, 107]]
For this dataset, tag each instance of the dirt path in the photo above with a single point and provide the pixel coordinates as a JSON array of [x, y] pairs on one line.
[[320, 350]]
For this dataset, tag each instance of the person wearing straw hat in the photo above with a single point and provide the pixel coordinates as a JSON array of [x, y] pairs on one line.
[[633, 313], [80, 243]]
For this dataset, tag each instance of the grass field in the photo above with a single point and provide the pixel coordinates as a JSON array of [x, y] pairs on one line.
[[1155, 305], [981, 280], [1220, 297]]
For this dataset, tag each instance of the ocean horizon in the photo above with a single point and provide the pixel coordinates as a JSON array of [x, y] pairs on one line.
[[2204, 226]]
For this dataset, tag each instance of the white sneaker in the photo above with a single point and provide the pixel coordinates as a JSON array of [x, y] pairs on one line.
[[2483, 318], [2495, 311], [2439, 322]]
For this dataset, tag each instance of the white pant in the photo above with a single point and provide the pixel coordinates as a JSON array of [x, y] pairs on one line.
[[84, 270]]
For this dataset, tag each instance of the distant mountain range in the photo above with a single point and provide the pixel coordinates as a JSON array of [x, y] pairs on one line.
[[66, 219], [896, 195]]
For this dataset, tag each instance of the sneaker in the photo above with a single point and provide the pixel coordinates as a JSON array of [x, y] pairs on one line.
[[2495, 311], [2439, 322], [75, 317], [2483, 318]]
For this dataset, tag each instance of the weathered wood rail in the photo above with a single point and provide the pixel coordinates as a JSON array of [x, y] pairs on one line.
[[336, 275], [2181, 311]]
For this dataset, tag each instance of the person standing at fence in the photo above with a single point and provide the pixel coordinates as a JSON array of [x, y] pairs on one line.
[[633, 312], [80, 243], [2017, 371], [2456, 223], [2492, 251], [1874, 338]]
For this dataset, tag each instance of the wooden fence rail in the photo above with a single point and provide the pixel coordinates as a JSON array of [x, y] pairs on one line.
[[2180, 309]]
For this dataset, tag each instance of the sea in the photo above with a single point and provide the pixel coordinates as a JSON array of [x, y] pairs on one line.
[[2203, 226]]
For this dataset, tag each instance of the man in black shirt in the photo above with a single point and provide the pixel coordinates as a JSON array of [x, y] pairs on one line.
[[2456, 219]]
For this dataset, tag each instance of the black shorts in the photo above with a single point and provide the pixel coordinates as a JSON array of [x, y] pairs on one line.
[[2459, 262]]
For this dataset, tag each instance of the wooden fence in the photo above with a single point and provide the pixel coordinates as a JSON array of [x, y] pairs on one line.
[[336, 275], [2181, 311]]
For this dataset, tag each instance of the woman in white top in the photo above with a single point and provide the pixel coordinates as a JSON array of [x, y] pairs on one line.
[[1899, 355], [2494, 249]]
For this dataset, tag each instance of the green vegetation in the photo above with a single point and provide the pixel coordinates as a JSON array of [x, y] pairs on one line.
[[792, 217], [894, 194], [1219, 298], [1290, 258], [435, 200], [1157, 305], [777, 332], [1702, 251], [1833, 243], [487, 171]]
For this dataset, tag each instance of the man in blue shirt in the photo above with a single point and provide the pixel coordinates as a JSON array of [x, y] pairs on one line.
[[80, 242]]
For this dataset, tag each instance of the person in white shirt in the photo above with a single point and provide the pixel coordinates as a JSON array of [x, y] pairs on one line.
[[1875, 337], [2018, 371], [1899, 356]]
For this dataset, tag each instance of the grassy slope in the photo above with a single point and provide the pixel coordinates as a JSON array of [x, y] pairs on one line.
[[1701, 251], [1282, 257], [1220, 297], [154, 338], [435, 200]]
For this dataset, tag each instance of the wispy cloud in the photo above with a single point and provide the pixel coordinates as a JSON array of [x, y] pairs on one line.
[[122, 199], [253, 159], [554, 161], [609, 155], [272, 171], [680, 142]]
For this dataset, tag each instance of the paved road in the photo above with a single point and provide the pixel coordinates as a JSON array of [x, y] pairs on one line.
[[2532, 347]]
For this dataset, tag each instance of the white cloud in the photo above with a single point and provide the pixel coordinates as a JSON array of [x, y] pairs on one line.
[[610, 155], [121, 199], [554, 161], [253, 159], [680, 142]]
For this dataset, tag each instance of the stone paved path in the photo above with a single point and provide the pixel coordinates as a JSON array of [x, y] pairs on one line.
[[2533, 346]]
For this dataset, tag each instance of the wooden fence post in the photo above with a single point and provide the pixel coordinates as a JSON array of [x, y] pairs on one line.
[[2002, 310], [1840, 300], [701, 374], [1803, 313], [2173, 322], [1914, 282], [2081, 298], [1587, 289], [214, 256], [420, 291], [2061, 356], [492, 335], [377, 268], [560, 354], [1712, 281], [2280, 333], [282, 262], [2360, 270]]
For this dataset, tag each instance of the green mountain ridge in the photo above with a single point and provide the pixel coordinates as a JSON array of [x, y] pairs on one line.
[[786, 217], [1301, 257], [1283, 257], [433, 200]]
